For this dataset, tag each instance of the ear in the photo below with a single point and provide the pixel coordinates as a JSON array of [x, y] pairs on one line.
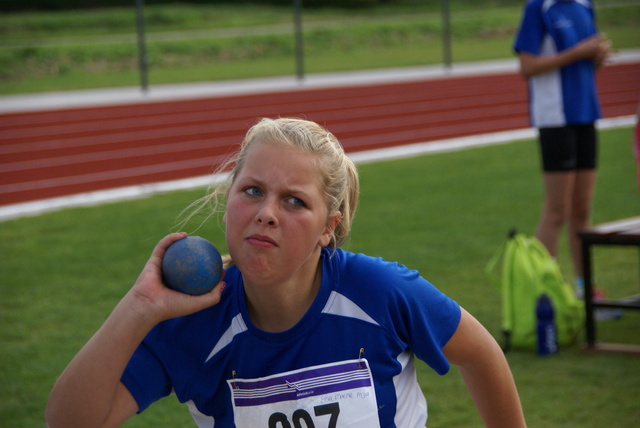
[[224, 217], [332, 222]]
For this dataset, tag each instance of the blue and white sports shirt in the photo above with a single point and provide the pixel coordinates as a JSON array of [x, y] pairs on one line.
[[349, 362], [567, 95]]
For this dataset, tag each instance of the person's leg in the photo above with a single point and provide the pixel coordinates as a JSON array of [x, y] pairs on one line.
[[580, 216], [556, 209], [582, 196], [558, 154]]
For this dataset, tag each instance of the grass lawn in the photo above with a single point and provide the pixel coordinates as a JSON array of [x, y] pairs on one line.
[[61, 274]]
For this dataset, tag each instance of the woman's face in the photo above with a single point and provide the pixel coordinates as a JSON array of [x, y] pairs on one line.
[[276, 218]]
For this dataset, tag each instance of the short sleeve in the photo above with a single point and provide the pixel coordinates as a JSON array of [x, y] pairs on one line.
[[430, 318], [146, 378], [531, 32], [417, 314]]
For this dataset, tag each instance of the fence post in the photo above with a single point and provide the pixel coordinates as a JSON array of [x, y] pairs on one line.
[[297, 18], [142, 52], [446, 33]]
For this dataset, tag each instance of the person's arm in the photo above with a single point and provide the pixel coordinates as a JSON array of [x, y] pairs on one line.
[[486, 374], [595, 48], [89, 392]]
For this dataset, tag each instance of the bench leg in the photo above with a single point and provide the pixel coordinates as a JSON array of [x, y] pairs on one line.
[[588, 294]]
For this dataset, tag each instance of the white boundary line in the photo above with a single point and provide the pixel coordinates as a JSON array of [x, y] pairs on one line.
[[29, 209]]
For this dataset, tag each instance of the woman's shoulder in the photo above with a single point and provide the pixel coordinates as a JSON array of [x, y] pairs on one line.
[[374, 271]]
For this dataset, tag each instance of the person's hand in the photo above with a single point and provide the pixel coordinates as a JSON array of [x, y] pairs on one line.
[[155, 300], [589, 47], [596, 48], [605, 50]]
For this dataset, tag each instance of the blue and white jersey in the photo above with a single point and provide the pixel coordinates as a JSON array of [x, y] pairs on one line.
[[349, 362], [566, 96]]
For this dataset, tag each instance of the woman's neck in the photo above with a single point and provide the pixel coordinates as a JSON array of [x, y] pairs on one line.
[[281, 306]]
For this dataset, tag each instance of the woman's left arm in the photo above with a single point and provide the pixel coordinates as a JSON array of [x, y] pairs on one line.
[[486, 373]]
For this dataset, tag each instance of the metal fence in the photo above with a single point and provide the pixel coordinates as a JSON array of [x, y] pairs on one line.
[[297, 31]]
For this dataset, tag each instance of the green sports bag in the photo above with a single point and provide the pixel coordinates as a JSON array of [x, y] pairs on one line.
[[526, 271]]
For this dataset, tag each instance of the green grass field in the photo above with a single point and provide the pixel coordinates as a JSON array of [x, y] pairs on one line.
[[445, 214], [61, 273], [56, 51]]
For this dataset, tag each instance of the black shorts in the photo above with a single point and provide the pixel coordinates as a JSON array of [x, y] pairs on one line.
[[568, 148]]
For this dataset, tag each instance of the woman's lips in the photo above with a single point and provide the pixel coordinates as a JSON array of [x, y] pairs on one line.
[[261, 241]]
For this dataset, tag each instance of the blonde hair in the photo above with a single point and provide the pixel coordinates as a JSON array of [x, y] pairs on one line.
[[341, 185]]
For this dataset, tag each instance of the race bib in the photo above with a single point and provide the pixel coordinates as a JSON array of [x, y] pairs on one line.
[[337, 395]]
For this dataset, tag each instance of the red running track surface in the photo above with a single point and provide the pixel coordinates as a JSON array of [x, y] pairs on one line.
[[46, 154]]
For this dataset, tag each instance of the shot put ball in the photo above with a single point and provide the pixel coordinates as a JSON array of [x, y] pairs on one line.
[[192, 265]]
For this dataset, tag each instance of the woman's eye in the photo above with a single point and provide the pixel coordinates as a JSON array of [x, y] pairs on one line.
[[252, 191], [297, 202]]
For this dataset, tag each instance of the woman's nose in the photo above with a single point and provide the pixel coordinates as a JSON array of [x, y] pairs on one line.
[[267, 214]]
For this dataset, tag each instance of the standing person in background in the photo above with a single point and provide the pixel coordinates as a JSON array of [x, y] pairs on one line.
[[560, 50]]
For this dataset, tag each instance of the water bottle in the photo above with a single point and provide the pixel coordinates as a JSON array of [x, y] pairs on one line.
[[547, 334]]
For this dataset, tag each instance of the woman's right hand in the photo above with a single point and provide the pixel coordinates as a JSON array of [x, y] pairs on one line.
[[154, 299]]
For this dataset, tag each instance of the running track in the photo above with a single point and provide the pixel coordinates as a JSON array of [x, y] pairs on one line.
[[59, 152]]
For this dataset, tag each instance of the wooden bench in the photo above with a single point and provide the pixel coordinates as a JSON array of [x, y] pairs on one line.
[[621, 232]]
